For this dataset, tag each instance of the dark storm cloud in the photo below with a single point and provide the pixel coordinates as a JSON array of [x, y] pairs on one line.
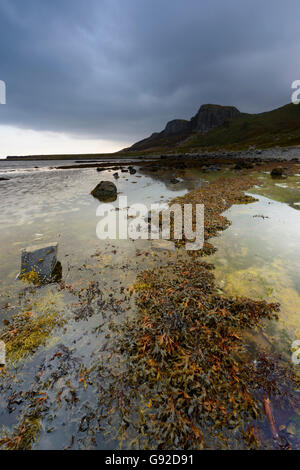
[[120, 69]]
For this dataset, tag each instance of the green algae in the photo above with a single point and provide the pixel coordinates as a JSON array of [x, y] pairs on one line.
[[31, 277], [285, 190], [29, 329]]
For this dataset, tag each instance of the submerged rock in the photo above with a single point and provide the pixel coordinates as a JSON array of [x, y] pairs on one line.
[[105, 191], [40, 260]]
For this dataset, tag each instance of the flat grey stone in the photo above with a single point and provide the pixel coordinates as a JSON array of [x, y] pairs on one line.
[[163, 245], [40, 258]]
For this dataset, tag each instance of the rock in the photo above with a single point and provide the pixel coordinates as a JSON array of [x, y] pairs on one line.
[[116, 175], [177, 126], [132, 171], [41, 259], [174, 181], [163, 245], [208, 117], [2, 353], [243, 164], [277, 172], [4, 179], [100, 169], [105, 191]]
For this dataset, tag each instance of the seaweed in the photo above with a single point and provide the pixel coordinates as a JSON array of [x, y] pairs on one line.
[[26, 331]]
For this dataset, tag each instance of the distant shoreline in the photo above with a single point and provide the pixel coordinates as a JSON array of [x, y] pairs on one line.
[[76, 156], [276, 152]]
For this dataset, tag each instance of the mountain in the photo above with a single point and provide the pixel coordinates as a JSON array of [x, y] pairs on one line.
[[208, 117], [225, 127]]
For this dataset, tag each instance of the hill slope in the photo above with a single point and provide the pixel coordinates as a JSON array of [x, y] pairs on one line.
[[208, 117], [218, 127]]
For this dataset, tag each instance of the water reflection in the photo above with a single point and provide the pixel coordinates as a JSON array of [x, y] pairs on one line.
[[259, 255]]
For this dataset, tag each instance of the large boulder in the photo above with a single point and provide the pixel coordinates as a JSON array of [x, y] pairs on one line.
[[105, 191], [41, 260], [277, 172]]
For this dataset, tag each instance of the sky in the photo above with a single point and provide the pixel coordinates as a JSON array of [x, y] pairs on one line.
[[88, 76]]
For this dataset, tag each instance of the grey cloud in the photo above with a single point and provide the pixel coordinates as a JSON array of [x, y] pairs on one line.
[[120, 69]]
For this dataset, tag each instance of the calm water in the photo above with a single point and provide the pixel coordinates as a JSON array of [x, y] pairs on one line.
[[43, 205], [259, 254]]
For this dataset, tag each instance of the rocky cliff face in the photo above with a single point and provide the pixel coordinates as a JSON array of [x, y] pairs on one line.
[[177, 126], [208, 117]]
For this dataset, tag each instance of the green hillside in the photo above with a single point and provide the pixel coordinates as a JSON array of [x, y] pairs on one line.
[[278, 127]]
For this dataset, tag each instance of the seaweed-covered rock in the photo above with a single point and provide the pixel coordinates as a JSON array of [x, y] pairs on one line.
[[105, 191]]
